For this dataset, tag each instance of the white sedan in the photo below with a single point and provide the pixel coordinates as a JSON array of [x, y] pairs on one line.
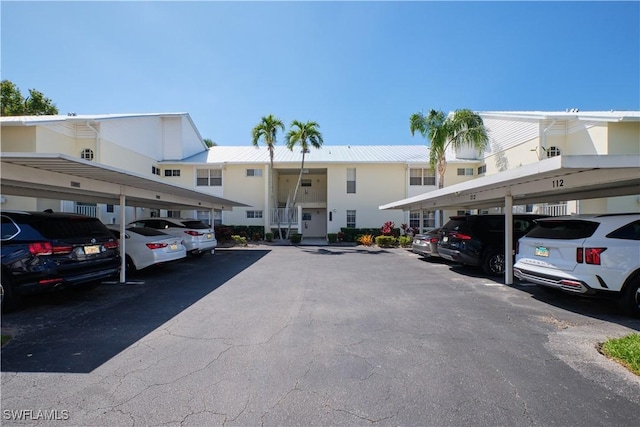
[[145, 247]]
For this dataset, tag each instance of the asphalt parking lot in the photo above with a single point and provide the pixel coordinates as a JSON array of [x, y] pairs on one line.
[[315, 336]]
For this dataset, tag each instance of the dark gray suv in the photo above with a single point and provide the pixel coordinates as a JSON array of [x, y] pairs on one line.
[[478, 240], [46, 251]]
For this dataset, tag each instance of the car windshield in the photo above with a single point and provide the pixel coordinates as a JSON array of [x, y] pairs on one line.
[[145, 231], [563, 229], [60, 228]]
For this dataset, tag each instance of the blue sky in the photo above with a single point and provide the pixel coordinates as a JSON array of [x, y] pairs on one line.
[[359, 69]]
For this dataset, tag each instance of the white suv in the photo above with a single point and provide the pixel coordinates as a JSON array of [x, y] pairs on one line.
[[585, 254], [197, 236]]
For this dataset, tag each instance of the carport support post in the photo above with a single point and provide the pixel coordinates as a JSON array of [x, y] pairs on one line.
[[508, 239], [123, 218]]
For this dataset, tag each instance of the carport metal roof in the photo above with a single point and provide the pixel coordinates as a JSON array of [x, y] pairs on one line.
[[58, 176], [550, 180]]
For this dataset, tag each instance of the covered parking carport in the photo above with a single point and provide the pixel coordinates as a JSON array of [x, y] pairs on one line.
[[58, 176], [551, 180]]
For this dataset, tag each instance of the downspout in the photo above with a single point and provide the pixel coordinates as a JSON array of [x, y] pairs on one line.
[[97, 132]]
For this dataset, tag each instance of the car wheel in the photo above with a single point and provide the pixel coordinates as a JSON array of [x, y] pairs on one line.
[[631, 297], [129, 266], [10, 298], [197, 254], [494, 263]]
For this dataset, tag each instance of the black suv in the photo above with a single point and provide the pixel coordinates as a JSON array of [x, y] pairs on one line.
[[478, 240], [45, 251]]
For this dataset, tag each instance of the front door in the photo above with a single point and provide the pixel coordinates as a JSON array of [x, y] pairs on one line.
[[314, 222]]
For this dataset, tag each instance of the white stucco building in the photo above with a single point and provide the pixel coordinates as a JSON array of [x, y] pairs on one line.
[[342, 186]]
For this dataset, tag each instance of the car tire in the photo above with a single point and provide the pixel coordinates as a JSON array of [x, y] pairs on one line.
[[494, 263], [129, 266], [10, 298], [197, 254], [631, 296]]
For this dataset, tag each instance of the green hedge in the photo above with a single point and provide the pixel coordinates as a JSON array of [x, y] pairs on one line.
[[352, 234], [250, 232]]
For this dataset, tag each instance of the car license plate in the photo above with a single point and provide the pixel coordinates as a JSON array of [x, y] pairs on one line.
[[174, 247], [209, 236], [92, 250], [445, 239], [416, 242], [541, 251]]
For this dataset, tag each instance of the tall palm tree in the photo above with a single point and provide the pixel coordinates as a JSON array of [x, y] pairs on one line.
[[305, 135], [267, 130], [462, 128]]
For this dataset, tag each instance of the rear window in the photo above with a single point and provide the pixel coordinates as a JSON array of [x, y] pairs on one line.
[[198, 225], [145, 231], [563, 229], [457, 224], [70, 228], [630, 231]]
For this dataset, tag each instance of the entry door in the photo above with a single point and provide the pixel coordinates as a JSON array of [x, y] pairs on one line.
[[314, 222]]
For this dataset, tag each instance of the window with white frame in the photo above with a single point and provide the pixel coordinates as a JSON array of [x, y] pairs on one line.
[[254, 214], [305, 183], [351, 219], [428, 219], [155, 170], [422, 176], [172, 172], [209, 177], [351, 180], [482, 169], [109, 208], [173, 214], [465, 171], [254, 172], [86, 154]]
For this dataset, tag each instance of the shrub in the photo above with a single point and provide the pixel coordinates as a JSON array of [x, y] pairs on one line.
[[296, 238], [386, 241], [239, 240], [387, 228], [268, 237], [256, 236], [366, 240], [340, 236], [332, 237], [404, 241]]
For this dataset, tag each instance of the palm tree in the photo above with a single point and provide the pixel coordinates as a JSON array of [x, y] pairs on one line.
[[267, 130], [462, 128], [303, 134]]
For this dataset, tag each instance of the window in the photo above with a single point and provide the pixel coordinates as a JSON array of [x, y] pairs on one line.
[[351, 180], [482, 169], [553, 152], [351, 219], [173, 214], [463, 212], [172, 172], [254, 172], [428, 219], [422, 177], [86, 154], [155, 170], [254, 214], [209, 177], [465, 171], [305, 183], [306, 216], [109, 208]]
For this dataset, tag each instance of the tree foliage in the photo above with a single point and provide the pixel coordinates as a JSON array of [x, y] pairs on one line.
[[267, 131], [210, 142], [13, 103]]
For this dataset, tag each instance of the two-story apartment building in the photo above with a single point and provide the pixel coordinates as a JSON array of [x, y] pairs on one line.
[[341, 186]]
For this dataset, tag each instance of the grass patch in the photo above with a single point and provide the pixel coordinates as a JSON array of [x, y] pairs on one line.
[[5, 339], [625, 350]]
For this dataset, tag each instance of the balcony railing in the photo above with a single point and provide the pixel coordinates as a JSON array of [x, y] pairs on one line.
[[86, 210], [283, 215], [553, 210], [305, 195]]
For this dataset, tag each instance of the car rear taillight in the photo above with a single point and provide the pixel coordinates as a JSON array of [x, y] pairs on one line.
[[589, 255], [434, 240], [40, 248], [193, 233], [461, 236], [571, 283], [113, 244], [156, 245]]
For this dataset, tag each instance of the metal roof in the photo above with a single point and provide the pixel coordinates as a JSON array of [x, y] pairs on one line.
[[325, 154], [58, 176], [551, 180]]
